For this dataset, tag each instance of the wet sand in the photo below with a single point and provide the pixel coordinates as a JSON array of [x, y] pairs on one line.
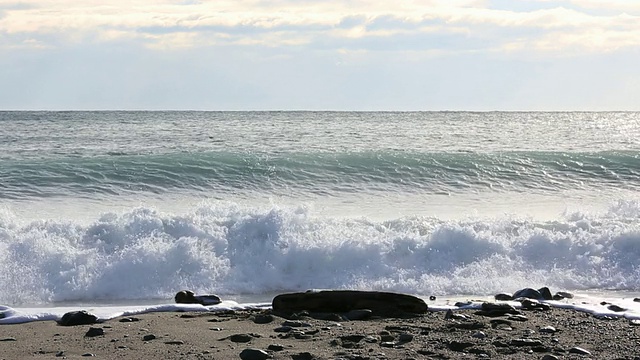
[[550, 334]]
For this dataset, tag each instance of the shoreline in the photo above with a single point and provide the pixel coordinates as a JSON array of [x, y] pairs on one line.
[[555, 333]]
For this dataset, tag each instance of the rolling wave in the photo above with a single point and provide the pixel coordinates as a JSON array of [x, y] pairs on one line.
[[325, 173]]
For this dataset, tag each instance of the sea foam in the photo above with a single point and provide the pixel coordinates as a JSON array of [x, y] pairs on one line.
[[232, 249]]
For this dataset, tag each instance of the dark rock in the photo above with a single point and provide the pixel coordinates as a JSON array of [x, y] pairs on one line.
[[303, 356], [88, 355], [283, 329], [94, 332], [352, 338], [405, 337], [550, 357], [188, 297], [545, 293], [432, 298], [527, 293], [148, 337], [263, 318], [8, 339], [129, 319], [60, 354], [579, 350], [564, 294], [74, 318], [275, 347], [459, 345], [174, 342], [503, 297], [616, 308], [506, 308], [254, 354], [525, 342], [343, 301], [240, 338], [636, 299]]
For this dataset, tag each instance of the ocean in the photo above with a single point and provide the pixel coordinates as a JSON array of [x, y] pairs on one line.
[[112, 207]]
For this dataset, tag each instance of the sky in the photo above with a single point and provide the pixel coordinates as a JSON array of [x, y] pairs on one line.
[[471, 55]]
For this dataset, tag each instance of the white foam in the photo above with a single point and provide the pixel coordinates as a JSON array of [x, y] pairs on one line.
[[232, 249]]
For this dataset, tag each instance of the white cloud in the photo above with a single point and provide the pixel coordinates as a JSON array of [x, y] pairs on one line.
[[169, 24]]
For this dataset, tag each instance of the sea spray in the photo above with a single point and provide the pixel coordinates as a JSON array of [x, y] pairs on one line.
[[229, 248]]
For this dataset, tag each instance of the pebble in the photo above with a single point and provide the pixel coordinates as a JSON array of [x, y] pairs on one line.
[[174, 342], [275, 347], [254, 354], [525, 342], [303, 356], [479, 335], [548, 330], [88, 355], [94, 332], [148, 337], [8, 339], [240, 338], [579, 350], [550, 357], [263, 318]]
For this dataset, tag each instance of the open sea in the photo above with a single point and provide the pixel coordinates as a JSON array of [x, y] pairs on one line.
[[120, 208]]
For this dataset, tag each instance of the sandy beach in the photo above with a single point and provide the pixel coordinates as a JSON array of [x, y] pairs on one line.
[[534, 334]]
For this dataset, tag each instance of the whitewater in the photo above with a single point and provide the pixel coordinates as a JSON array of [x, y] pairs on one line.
[[120, 210]]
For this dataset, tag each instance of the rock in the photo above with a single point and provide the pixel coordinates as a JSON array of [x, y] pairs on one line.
[[8, 339], [634, 322], [303, 356], [129, 319], [564, 294], [188, 297], [88, 355], [518, 317], [254, 354], [636, 299], [275, 347], [174, 342], [432, 298], [525, 342], [459, 345], [240, 338], [479, 335], [616, 308], [550, 357], [283, 329], [74, 318], [496, 310], [579, 350], [343, 301], [405, 337], [94, 332], [148, 337], [547, 330], [60, 354], [527, 293], [503, 297], [545, 293], [263, 318]]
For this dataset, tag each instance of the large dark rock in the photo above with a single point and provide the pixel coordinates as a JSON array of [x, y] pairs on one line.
[[343, 301], [188, 297], [81, 317]]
